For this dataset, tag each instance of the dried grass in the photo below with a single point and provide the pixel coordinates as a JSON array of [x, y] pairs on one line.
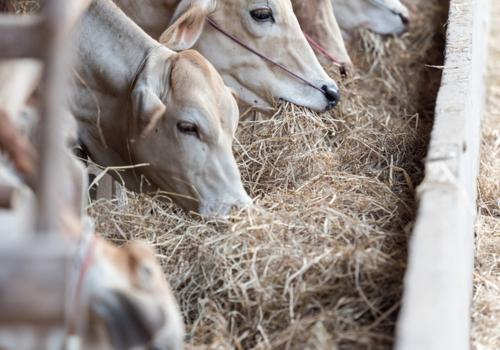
[[486, 306], [21, 6], [318, 262]]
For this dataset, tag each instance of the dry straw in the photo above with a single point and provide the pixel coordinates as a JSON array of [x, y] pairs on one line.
[[318, 262], [485, 308]]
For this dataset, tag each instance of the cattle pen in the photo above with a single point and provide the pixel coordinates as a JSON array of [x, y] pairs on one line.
[[336, 252]]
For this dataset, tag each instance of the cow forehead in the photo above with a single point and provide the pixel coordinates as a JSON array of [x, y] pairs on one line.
[[196, 84], [124, 261]]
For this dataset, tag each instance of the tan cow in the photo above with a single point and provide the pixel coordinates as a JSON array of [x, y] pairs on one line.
[[127, 302], [317, 20], [268, 26], [123, 302], [379, 16], [138, 102]]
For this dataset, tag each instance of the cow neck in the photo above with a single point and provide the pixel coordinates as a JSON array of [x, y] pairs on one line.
[[116, 43], [129, 104], [117, 50], [83, 261]]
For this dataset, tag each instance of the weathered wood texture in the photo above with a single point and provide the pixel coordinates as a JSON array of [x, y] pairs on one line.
[[22, 37], [435, 314], [33, 281]]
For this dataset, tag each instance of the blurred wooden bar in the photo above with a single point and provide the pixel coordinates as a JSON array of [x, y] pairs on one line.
[[22, 37], [33, 281]]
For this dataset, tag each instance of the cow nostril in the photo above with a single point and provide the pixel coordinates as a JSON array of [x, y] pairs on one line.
[[333, 95], [406, 20]]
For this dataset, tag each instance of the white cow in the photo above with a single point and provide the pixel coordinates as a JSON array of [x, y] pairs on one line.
[[379, 16], [137, 101], [268, 26]]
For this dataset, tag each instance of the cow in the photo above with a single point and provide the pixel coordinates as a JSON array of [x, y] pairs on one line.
[[137, 101], [268, 26], [379, 16], [126, 301], [121, 299], [317, 20]]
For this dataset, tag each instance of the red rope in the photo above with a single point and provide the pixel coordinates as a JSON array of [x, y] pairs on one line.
[[324, 52], [216, 26], [83, 272]]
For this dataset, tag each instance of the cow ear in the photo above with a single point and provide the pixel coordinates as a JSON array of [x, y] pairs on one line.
[[147, 109], [234, 93], [187, 28], [131, 319]]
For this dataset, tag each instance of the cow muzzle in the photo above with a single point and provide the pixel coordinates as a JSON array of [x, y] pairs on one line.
[[332, 95], [221, 208]]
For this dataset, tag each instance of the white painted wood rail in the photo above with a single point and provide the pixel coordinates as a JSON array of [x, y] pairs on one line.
[[435, 314]]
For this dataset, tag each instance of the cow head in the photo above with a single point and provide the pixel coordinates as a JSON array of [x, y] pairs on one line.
[[269, 26], [379, 16], [184, 123], [127, 302]]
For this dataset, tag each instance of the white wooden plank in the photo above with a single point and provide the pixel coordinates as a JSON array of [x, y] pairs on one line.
[[435, 314]]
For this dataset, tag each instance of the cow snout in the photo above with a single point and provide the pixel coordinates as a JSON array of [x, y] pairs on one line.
[[332, 94], [406, 21]]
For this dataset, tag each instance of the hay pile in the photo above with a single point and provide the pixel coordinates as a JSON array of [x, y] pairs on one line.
[[485, 308], [318, 262], [22, 6]]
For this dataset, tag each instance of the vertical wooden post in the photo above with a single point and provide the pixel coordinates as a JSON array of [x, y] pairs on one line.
[[51, 142]]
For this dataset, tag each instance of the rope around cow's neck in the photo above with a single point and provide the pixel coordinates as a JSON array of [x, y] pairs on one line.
[[324, 52], [72, 340], [384, 6], [232, 37]]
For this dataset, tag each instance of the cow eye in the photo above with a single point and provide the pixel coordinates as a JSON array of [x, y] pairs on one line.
[[262, 15], [188, 128]]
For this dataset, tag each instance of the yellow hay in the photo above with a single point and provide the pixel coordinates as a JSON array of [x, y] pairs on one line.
[[485, 307]]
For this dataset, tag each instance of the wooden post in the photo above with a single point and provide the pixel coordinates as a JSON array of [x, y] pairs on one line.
[[33, 281]]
